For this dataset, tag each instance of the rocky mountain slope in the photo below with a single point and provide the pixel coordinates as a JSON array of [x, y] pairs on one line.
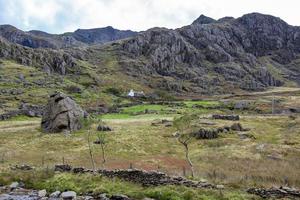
[[209, 56], [81, 37], [250, 53]]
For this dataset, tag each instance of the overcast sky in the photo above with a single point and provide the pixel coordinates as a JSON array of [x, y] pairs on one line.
[[58, 16]]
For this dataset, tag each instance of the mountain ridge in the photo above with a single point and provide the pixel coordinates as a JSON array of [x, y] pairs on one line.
[[251, 52], [78, 38]]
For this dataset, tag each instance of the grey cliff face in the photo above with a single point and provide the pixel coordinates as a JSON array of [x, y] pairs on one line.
[[209, 56], [229, 50], [101, 35], [46, 59]]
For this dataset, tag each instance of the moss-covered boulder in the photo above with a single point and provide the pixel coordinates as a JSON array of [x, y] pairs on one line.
[[61, 114]]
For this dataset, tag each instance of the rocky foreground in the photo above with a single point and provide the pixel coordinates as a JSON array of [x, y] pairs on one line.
[[18, 191]]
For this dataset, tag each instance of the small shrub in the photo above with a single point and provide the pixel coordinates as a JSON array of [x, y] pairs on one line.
[[113, 91], [165, 96]]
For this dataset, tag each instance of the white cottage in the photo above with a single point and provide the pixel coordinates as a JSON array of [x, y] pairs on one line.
[[133, 93]]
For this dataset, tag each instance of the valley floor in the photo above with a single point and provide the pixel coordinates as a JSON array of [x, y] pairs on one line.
[[265, 156]]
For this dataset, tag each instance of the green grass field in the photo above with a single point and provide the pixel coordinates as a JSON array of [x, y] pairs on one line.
[[271, 159]]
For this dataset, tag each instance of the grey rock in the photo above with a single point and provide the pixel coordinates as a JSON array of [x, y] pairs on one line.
[[237, 127], [261, 147], [18, 197], [14, 185], [42, 193], [206, 134], [55, 194], [21, 77], [23, 167], [103, 197], [103, 128], [61, 114], [244, 136], [63, 168], [87, 198], [242, 105], [68, 195], [119, 197], [220, 187], [227, 117]]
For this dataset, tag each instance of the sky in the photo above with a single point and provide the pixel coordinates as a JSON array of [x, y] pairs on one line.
[[59, 16]]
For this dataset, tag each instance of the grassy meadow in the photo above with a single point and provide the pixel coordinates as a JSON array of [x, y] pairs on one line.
[[270, 158]]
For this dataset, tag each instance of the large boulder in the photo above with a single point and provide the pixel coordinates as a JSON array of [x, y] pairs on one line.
[[61, 114]]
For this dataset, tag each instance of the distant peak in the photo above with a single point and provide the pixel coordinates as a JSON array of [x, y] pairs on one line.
[[96, 29], [8, 27], [253, 18], [226, 19], [204, 20]]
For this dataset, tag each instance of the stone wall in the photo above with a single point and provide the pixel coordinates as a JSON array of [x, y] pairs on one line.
[[146, 178], [282, 192], [227, 117], [25, 109]]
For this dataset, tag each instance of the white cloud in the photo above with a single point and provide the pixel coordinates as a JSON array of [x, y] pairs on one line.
[[67, 15]]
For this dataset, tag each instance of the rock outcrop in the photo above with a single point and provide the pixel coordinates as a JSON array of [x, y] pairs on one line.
[[227, 117], [206, 133], [213, 55], [25, 109], [210, 56], [47, 60], [61, 114]]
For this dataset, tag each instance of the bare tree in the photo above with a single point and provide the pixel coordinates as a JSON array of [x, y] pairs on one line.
[[185, 142], [91, 151], [87, 124], [184, 127], [101, 140]]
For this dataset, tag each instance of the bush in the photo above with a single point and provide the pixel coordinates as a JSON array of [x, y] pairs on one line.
[[165, 96], [113, 91]]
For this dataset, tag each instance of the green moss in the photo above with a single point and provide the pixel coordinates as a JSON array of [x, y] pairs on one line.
[[202, 103], [23, 118], [143, 108]]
